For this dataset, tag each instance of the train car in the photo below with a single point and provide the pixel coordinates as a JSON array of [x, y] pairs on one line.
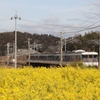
[[88, 58]]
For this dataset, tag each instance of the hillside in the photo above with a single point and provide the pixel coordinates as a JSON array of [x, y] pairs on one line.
[[48, 43], [43, 42]]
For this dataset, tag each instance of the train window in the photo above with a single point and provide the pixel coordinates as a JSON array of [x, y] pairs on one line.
[[95, 56], [90, 56], [84, 56]]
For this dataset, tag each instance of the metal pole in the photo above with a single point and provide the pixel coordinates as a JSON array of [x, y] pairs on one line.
[[61, 49]]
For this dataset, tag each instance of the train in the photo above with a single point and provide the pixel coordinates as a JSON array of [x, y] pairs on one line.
[[87, 58]]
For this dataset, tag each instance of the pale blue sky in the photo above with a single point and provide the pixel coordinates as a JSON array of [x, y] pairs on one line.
[[48, 16]]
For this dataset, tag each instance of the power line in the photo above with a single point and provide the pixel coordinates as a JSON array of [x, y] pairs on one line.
[[85, 29], [58, 25], [68, 26]]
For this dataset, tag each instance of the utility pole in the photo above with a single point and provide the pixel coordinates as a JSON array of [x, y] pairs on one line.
[[29, 51], [8, 45], [13, 50], [65, 44], [99, 52], [15, 17], [61, 58], [34, 46]]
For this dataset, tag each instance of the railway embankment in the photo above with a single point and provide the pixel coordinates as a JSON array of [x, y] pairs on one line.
[[9, 61]]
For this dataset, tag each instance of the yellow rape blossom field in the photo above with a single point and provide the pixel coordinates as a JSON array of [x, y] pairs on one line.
[[67, 83]]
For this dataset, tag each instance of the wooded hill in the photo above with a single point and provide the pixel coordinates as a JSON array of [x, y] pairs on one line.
[[43, 41], [48, 43]]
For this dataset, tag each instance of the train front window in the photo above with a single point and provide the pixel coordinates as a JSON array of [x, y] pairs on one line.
[[95, 56]]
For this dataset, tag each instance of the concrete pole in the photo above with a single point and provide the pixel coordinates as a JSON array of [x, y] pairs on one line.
[[15, 17], [29, 51], [99, 52], [15, 42], [61, 58], [65, 44], [8, 45]]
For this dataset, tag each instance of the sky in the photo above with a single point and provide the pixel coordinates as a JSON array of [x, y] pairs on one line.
[[70, 17]]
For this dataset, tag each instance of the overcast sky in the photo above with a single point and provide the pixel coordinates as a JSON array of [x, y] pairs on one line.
[[49, 16]]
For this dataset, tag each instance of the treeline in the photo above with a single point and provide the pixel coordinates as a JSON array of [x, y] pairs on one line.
[[45, 43], [89, 42], [40, 42]]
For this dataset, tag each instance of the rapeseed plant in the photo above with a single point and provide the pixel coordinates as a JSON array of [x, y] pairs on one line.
[[66, 83]]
